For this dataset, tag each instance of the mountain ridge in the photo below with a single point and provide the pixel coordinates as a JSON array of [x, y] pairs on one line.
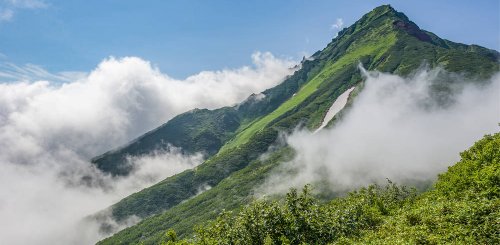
[[247, 111], [383, 39]]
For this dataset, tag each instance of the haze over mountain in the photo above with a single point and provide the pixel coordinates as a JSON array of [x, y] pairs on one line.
[[49, 133], [383, 100]]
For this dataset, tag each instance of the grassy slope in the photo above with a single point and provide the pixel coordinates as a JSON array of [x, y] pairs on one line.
[[463, 208], [173, 190], [199, 130], [229, 194], [180, 187], [336, 77], [378, 45]]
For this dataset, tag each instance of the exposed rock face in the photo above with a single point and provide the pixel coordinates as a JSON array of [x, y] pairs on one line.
[[413, 30]]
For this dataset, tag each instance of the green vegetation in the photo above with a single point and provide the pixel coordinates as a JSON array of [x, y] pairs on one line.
[[300, 219], [194, 131], [189, 183], [462, 209], [229, 194], [383, 39], [377, 47]]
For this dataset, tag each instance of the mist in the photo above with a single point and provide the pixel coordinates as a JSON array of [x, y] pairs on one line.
[[397, 128], [49, 131]]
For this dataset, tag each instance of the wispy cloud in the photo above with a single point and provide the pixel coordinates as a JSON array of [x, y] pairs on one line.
[[10, 72], [8, 8], [6, 14], [339, 23], [26, 4]]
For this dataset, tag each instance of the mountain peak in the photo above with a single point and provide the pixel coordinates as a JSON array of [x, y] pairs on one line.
[[399, 21], [383, 9], [385, 19], [383, 12]]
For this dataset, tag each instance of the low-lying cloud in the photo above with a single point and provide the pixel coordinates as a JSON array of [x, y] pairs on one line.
[[49, 131], [398, 128], [49, 203]]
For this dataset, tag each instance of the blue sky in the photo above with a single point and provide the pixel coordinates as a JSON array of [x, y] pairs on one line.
[[185, 37]]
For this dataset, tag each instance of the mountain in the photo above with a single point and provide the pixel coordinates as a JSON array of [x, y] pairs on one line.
[[235, 137], [194, 131]]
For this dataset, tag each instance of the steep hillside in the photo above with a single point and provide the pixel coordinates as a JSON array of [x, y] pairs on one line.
[[463, 208], [203, 130], [194, 131], [383, 39]]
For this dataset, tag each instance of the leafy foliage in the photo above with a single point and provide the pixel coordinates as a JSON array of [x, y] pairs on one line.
[[456, 211], [464, 207], [300, 219]]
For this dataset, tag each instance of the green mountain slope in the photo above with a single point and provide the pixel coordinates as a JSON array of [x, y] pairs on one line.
[[203, 130], [463, 208], [194, 131], [383, 39]]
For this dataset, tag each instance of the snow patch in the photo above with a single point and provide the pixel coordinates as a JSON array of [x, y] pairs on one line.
[[338, 105]]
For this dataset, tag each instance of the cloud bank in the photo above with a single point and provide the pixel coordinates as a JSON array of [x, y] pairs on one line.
[[49, 131], [397, 128]]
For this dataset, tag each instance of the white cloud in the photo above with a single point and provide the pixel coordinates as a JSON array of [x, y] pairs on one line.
[[6, 14], [48, 131], [48, 203], [339, 23], [9, 7], [395, 130], [26, 4], [10, 72]]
